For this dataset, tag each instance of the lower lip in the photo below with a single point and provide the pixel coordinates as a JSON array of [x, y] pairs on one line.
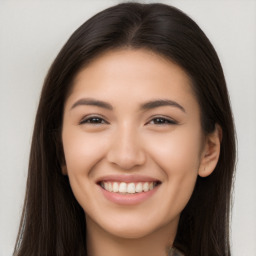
[[128, 199]]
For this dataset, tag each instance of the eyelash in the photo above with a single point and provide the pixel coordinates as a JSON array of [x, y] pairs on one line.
[[162, 121], [96, 120], [93, 120]]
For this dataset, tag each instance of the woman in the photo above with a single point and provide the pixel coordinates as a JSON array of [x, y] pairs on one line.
[[133, 149]]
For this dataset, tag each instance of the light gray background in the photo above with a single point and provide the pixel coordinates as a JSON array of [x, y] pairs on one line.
[[32, 33]]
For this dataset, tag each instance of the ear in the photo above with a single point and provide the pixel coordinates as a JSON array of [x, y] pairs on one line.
[[60, 154], [64, 169], [211, 152]]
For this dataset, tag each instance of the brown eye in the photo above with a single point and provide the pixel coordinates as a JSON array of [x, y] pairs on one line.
[[162, 121], [93, 120]]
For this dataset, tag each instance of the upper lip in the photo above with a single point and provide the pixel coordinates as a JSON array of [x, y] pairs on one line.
[[127, 178]]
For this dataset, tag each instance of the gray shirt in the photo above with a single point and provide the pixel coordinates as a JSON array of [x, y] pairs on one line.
[[175, 252]]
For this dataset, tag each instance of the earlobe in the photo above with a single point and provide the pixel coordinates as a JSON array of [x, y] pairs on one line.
[[64, 170], [211, 152]]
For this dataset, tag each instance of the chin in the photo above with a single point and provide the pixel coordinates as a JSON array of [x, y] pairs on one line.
[[129, 232], [134, 228]]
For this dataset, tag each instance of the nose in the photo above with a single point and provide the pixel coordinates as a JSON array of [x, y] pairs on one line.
[[126, 150]]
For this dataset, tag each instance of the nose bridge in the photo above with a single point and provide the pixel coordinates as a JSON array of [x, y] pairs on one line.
[[126, 150]]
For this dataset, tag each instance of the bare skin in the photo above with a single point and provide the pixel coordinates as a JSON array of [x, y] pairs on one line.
[[132, 116]]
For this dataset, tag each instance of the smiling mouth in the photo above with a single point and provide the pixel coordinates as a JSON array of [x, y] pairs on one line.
[[128, 188]]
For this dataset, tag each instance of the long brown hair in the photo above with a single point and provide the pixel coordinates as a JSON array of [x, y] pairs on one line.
[[53, 223]]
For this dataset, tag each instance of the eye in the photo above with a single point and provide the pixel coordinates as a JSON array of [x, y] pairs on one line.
[[162, 121], [94, 120]]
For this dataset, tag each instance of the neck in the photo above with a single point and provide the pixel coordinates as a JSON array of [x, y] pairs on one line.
[[99, 242]]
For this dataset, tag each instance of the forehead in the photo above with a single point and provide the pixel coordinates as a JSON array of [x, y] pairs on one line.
[[134, 61], [133, 74]]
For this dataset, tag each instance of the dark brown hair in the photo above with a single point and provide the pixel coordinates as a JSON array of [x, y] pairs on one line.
[[53, 222]]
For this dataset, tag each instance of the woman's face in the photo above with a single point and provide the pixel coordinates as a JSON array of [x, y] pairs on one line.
[[132, 141]]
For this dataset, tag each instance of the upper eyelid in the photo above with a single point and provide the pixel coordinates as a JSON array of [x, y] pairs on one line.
[[162, 117], [84, 118], [90, 116], [168, 122]]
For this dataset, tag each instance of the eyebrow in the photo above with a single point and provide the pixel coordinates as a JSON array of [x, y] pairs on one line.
[[160, 103], [145, 106], [92, 102]]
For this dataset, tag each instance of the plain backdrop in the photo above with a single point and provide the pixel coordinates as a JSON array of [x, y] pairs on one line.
[[32, 33]]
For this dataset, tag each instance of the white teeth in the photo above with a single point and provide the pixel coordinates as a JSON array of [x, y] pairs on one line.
[[106, 185], [130, 188], [115, 187], [145, 187], [122, 187], [139, 187]]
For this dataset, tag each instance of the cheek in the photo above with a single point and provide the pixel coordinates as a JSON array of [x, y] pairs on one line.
[[177, 152], [82, 150], [178, 156]]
